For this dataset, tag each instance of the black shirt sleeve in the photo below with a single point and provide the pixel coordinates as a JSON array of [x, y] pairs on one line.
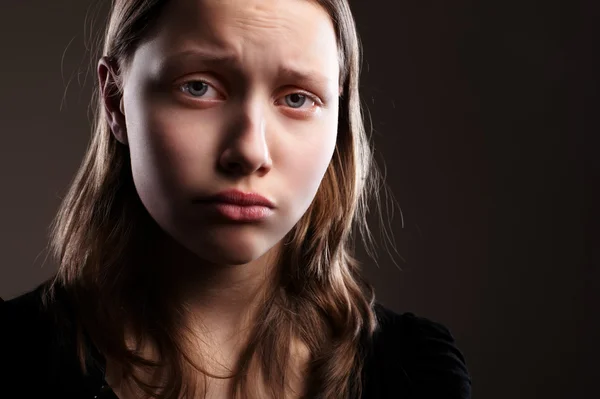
[[415, 358], [435, 366]]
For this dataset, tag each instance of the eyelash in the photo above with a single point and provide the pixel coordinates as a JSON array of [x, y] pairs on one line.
[[308, 96]]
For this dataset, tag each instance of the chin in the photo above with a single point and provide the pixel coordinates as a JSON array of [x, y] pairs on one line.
[[230, 249]]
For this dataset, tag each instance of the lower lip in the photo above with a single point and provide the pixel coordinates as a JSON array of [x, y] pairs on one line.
[[241, 213]]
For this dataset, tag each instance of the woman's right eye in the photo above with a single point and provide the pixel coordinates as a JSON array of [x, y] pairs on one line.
[[197, 88]]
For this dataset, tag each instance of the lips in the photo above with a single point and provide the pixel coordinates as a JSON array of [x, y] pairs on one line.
[[235, 205], [239, 198]]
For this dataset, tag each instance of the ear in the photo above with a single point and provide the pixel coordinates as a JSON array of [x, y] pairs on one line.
[[112, 97]]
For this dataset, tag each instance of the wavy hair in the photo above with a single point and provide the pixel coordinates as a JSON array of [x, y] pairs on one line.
[[321, 298]]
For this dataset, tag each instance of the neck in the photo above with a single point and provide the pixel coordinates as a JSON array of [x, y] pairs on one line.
[[220, 303], [218, 299]]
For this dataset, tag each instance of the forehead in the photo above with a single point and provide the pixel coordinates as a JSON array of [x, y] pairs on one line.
[[256, 20], [293, 34]]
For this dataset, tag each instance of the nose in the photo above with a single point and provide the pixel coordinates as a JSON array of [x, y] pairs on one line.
[[246, 150]]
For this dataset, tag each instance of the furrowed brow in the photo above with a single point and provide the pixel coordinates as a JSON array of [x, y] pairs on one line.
[[308, 77], [199, 56], [293, 74]]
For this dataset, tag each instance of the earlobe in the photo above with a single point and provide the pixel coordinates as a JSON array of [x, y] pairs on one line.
[[112, 98]]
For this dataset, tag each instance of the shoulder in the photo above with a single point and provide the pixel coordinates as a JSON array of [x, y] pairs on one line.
[[38, 353], [24, 317], [416, 357], [26, 332]]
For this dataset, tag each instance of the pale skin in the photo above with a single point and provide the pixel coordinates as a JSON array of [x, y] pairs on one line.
[[263, 122]]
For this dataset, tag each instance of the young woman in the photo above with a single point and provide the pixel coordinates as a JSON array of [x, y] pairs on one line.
[[204, 248]]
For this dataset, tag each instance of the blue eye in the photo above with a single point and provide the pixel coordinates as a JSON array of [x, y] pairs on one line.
[[196, 88], [297, 100]]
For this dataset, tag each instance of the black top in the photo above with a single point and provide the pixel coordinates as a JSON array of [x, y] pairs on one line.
[[411, 357]]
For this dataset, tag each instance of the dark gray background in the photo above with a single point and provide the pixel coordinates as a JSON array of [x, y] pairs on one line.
[[485, 113]]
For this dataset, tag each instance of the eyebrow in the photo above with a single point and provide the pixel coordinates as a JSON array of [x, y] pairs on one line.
[[228, 60]]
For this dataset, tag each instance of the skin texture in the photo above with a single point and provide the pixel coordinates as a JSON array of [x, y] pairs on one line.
[[244, 128]]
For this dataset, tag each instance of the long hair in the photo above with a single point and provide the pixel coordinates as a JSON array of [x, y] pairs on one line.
[[98, 235]]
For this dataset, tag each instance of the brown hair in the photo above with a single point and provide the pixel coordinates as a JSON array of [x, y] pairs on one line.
[[321, 299]]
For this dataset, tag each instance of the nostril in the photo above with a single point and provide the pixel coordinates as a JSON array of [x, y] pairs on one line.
[[234, 167], [244, 160]]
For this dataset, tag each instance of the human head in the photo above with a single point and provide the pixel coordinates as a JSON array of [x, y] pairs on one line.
[[227, 95], [178, 151]]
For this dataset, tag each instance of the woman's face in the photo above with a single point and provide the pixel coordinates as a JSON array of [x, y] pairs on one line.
[[232, 95]]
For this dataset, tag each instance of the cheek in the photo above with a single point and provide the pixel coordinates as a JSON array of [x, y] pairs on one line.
[[305, 163], [170, 148]]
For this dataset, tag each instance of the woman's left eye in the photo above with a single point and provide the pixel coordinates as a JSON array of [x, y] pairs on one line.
[[297, 100]]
